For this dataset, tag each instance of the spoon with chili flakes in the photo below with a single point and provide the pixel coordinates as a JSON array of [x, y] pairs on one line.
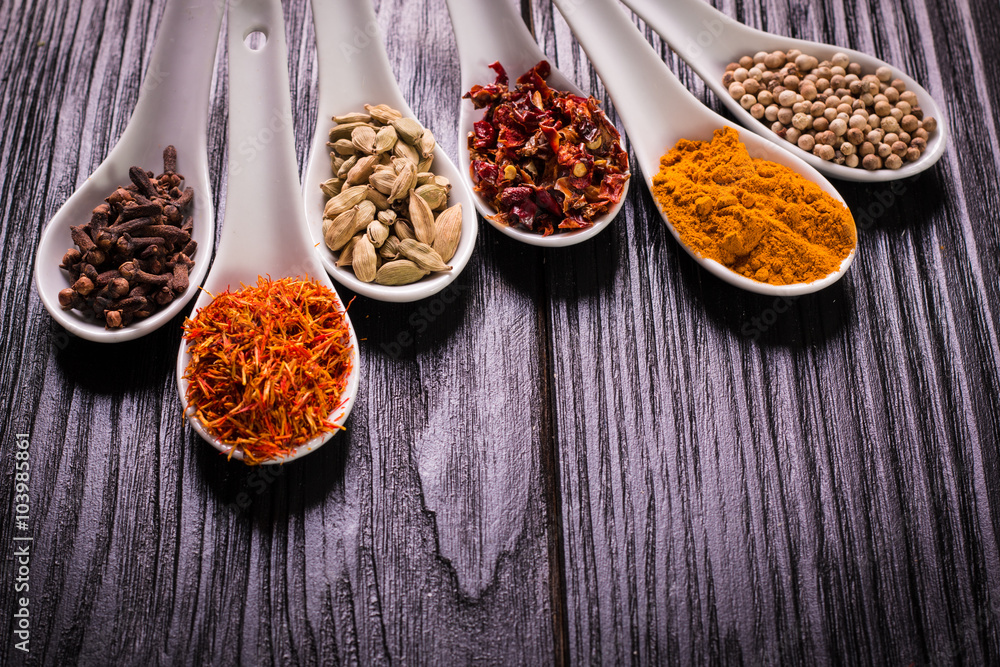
[[545, 163], [268, 368], [658, 112]]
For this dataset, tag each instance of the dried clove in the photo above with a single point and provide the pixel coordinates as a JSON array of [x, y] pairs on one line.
[[134, 256]]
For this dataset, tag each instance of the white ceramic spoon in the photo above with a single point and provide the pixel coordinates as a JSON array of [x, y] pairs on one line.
[[264, 231], [172, 109], [354, 70], [657, 111], [708, 40], [488, 31]]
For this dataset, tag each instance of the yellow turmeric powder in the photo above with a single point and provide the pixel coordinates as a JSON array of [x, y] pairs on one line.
[[756, 217]]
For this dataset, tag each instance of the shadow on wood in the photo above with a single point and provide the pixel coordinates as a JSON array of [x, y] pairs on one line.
[[120, 367]]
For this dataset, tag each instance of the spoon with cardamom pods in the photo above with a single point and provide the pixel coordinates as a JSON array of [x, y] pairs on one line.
[[390, 214], [264, 238], [92, 297], [488, 32], [846, 113], [658, 112]]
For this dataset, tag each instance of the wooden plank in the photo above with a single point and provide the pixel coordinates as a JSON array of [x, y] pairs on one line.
[[748, 480], [422, 535]]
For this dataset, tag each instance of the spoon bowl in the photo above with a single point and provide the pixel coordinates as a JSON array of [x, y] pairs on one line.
[[638, 81], [345, 88], [264, 232], [172, 109], [488, 31], [708, 40]]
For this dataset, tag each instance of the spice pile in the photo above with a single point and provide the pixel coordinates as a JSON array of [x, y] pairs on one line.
[[134, 255], [829, 109], [758, 218], [269, 365], [546, 160], [385, 213]]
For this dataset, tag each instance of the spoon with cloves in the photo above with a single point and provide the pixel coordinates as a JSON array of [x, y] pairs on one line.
[[172, 110]]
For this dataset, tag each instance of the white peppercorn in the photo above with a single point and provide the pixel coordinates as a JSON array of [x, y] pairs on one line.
[[774, 60], [890, 124], [824, 152], [871, 162], [831, 108]]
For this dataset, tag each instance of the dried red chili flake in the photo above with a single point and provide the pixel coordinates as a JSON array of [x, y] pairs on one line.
[[547, 160], [269, 364]]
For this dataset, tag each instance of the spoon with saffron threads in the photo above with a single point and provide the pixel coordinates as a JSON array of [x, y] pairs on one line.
[[264, 232]]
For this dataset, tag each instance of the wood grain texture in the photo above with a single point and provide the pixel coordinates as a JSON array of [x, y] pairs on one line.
[[594, 455], [749, 480]]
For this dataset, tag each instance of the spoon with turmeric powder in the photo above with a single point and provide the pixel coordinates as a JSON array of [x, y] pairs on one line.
[[753, 214], [827, 93], [243, 364]]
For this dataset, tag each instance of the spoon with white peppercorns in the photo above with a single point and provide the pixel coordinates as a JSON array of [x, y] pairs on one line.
[[848, 114]]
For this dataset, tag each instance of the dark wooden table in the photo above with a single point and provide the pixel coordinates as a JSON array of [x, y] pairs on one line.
[[593, 455]]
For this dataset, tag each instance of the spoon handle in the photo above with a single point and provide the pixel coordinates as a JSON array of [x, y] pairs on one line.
[[179, 70], [351, 55], [647, 95], [488, 31], [262, 231], [693, 27]]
